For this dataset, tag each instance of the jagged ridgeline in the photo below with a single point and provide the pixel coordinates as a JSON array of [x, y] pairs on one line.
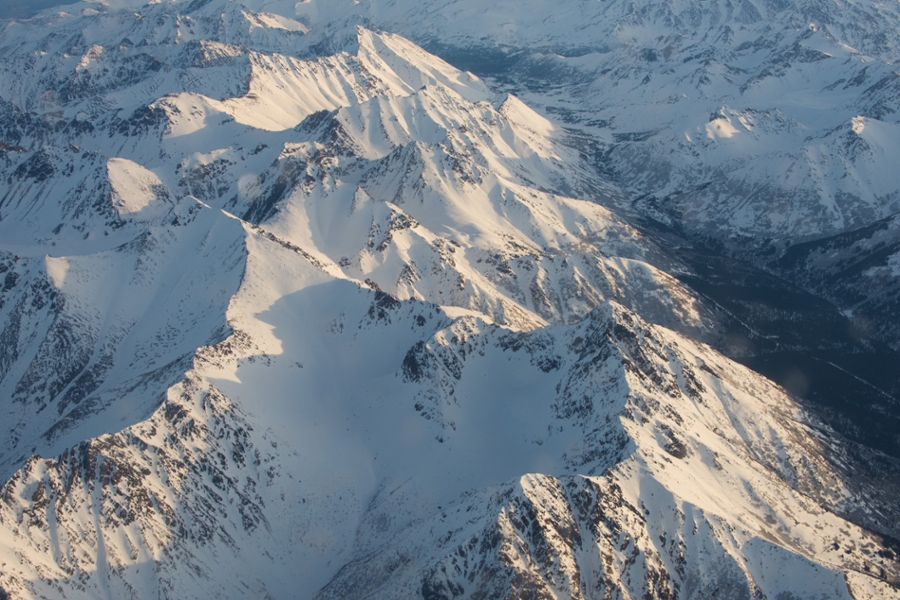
[[292, 308]]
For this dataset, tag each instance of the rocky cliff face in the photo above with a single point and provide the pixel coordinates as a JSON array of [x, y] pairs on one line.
[[292, 308]]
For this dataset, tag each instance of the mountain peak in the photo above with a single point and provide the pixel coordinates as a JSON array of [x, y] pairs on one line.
[[291, 307]]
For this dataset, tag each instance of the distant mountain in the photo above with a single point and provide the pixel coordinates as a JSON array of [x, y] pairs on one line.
[[22, 9], [293, 308]]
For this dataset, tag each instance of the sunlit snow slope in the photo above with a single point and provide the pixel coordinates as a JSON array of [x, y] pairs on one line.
[[292, 312]]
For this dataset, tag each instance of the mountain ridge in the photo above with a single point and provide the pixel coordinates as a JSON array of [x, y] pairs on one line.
[[401, 336]]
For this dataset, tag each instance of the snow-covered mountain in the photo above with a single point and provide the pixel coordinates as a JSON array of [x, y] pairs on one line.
[[293, 308]]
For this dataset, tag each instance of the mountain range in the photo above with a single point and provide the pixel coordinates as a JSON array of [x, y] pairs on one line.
[[382, 299]]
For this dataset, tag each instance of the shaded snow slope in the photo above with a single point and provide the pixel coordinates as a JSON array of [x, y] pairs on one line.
[[430, 454], [90, 342], [293, 309]]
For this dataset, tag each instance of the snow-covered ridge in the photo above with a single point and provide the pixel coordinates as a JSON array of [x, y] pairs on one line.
[[816, 67], [290, 323], [658, 452], [430, 196]]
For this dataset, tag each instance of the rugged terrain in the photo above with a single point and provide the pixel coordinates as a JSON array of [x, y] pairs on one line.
[[294, 308]]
